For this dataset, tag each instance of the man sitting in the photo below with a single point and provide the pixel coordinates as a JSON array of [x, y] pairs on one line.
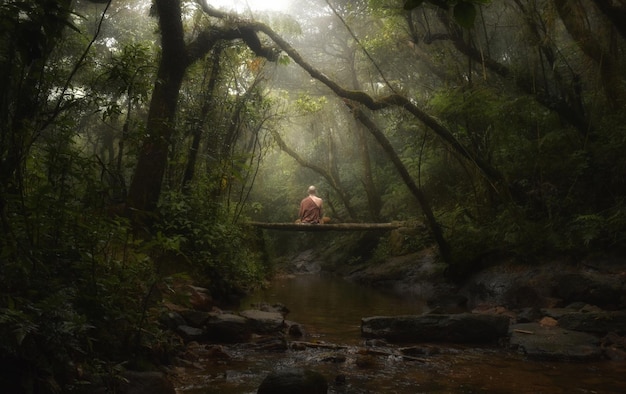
[[311, 207]]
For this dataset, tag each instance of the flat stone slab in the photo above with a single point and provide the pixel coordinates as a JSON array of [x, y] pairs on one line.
[[554, 343], [228, 327], [264, 322], [459, 328]]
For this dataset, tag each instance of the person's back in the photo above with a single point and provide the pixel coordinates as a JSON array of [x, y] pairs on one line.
[[311, 207]]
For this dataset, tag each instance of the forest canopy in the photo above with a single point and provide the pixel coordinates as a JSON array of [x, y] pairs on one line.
[[138, 138]]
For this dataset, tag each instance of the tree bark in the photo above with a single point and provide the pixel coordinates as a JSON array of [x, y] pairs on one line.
[[145, 187]]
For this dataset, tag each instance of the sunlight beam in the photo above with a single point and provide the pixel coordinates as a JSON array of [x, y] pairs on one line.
[[254, 5]]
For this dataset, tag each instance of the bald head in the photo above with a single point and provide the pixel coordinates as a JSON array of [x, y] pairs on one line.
[[312, 189]]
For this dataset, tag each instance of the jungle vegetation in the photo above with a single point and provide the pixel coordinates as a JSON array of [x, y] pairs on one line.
[[136, 137]]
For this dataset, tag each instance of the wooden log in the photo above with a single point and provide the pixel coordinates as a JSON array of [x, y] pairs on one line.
[[333, 226]]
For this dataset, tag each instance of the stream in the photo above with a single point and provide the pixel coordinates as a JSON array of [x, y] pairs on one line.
[[330, 310]]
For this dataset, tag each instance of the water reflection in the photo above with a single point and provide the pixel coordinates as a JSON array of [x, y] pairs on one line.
[[331, 310]]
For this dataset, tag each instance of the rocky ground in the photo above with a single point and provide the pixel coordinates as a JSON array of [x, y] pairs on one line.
[[552, 311], [556, 310]]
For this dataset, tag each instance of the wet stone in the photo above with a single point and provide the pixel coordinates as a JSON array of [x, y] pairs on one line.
[[189, 333], [292, 381], [554, 343], [295, 330], [171, 320], [264, 322], [601, 322], [460, 328], [195, 318], [229, 328]]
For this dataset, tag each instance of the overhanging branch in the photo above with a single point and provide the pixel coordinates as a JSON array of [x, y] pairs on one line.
[[393, 100]]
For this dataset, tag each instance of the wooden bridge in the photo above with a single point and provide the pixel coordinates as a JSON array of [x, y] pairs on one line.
[[336, 226]]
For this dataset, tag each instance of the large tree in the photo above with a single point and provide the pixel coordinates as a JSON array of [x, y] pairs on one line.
[[176, 57]]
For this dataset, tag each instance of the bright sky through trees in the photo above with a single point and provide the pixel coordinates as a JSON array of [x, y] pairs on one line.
[[255, 5]]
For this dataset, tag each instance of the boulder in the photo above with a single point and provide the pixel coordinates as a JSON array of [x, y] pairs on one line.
[[171, 320], [549, 284], [600, 322], [135, 382], [291, 381], [528, 315], [190, 334], [294, 329], [200, 298], [195, 318], [275, 307], [614, 347], [590, 287], [460, 328], [263, 322], [228, 328], [556, 313], [554, 343]]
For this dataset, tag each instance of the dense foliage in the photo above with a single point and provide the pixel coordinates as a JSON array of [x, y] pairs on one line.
[[135, 138]]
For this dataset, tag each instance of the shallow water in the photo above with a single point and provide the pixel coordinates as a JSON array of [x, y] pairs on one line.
[[330, 309]]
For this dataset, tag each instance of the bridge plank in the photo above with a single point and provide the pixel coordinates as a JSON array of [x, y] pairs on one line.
[[331, 226]]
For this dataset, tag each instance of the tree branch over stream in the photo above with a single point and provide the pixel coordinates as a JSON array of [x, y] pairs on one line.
[[375, 104], [332, 180], [444, 248]]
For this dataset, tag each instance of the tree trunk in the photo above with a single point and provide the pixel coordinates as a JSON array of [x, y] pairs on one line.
[[176, 57], [145, 188], [192, 159], [574, 18], [435, 228]]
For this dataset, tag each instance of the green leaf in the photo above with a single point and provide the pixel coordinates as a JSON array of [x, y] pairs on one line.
[[411, 4], [465, 14]]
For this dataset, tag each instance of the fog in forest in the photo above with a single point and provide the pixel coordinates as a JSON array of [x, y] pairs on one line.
[[148, 147]]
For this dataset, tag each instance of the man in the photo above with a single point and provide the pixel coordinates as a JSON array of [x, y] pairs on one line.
[[311, 207]]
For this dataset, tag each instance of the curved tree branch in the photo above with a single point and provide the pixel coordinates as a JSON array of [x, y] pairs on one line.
[[573, 116], [332, 181], [383, 141], [393, 100]]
